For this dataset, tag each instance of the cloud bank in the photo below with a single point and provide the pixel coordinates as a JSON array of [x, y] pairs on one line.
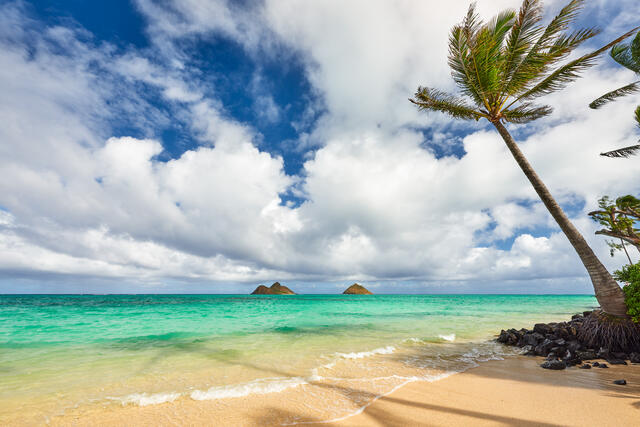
[[386, 195]]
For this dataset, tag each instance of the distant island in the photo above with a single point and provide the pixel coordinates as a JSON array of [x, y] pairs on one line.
[[275, 289], [357, 289]]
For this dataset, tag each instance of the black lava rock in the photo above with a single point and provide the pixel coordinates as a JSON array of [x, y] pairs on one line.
[[601, 365], [573, 362], [555, 365], [544, 348], [560, 342], [603, 353], [573, 346], [532, 339], [542, 328], [634, 358], [585, 366], [587, 355], [620, 382], [616, 361], [560, 351], [623, 356]]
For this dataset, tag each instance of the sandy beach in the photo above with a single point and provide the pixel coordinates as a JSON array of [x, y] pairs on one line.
[[515, 391]]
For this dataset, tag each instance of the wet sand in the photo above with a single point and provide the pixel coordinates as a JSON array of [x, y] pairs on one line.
[[515, 391]]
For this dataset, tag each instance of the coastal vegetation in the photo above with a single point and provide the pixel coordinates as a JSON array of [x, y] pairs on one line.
[[631, 275], [627, 55], [501, 68], [621, 220]]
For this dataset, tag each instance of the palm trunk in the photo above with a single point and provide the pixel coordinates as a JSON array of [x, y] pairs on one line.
[[608, 293]]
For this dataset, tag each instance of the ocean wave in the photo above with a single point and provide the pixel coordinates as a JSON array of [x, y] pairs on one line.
[[144, 399], [439, 339], [263, 386], [362, 354], [450, 337]]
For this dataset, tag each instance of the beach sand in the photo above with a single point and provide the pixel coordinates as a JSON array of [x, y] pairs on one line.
[[515, 391]]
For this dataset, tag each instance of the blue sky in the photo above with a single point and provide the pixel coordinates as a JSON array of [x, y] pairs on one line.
[[212, 146]]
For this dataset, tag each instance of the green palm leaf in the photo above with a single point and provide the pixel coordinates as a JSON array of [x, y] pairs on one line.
[[526, 113], [537, 60], [623, 152], [615, 94], [624, 56], [568, 73], [435, 100]]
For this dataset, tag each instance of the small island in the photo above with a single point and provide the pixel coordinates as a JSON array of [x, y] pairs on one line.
[[275, 289], [357, 289]]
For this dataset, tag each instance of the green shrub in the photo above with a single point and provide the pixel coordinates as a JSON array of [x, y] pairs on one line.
[[631, 275]]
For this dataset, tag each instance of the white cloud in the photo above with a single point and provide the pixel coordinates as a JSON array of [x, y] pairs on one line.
[[379, 206]]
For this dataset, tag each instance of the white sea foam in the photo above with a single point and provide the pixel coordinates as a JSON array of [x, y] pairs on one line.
[[441, 337], [360, 355], [315, 376], [263, 386], [144, 399], [450, 337]]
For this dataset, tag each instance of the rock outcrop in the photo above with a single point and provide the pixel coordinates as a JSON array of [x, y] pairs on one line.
[[560, 343], [275, 289], [356, 289]]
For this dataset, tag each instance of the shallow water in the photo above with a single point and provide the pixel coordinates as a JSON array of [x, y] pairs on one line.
[[60, 353]]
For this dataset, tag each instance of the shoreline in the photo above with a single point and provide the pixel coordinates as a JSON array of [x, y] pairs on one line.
[[513, 391]]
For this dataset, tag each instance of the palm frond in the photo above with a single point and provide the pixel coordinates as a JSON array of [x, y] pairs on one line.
[[569, 72], [487, 52], [520, 39], [538, 60], [635, 48], [436, 100], [462, 69], [471, 27], [637, 115], [526, 113], [565, 44], [622, 152], [624, 56], [561, 21], [615, 94]]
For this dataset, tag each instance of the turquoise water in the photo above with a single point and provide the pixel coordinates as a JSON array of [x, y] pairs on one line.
[[60, 352]]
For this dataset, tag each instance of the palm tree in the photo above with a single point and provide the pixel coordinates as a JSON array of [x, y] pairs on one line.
[[627, 55], [501, 67]]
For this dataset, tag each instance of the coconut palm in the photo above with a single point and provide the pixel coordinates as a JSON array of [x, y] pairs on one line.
[[501, 67], [627, 55]]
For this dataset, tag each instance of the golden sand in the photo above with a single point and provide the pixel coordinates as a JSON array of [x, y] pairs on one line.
[[510, 392]]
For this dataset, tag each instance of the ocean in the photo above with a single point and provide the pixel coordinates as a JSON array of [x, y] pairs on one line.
[[334, 354]]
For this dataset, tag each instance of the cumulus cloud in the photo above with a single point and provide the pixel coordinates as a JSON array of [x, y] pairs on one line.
[[376, 205]]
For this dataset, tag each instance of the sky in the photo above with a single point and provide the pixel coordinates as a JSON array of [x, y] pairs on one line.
[[195, 146]]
